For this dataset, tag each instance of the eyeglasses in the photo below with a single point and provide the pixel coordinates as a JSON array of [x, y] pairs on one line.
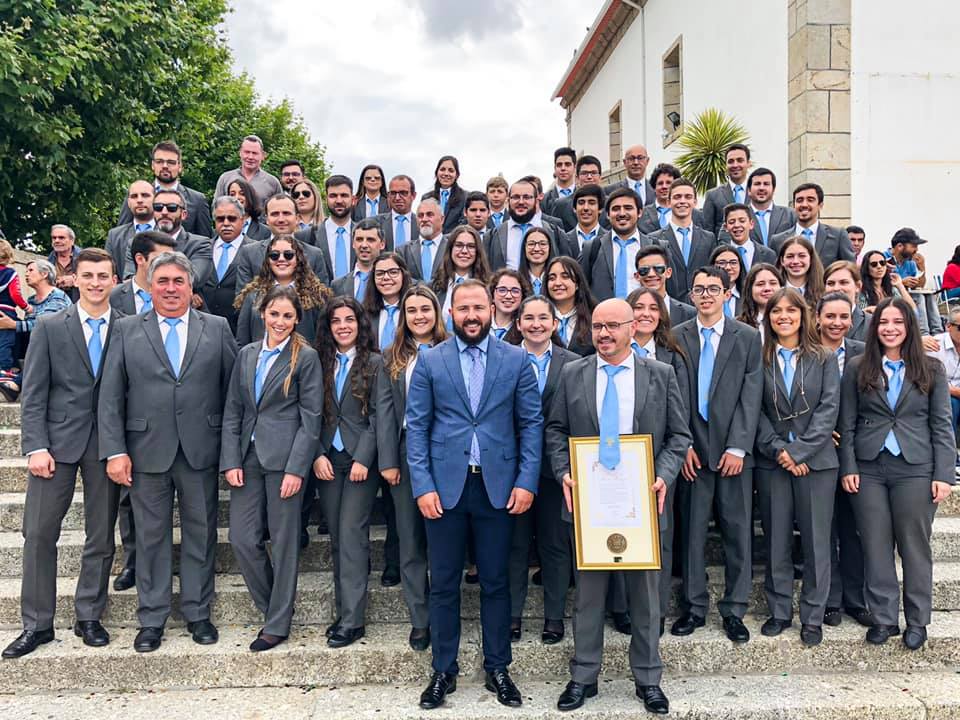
[[400, 193], [169, 207], [711, 290], [503, 291], [726, 263], [636, 158], [297, 194], [644, 270], [286, 255], [168, 163], [538, 244], [518, 198], [389, 272], [610, 327], [226, 218], [461, 247], [291, 173]]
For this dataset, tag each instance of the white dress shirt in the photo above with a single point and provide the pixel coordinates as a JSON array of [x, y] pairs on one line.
[[624, 382], [88, 331], [947, 354], [219, 247], [181, 333], [715, 344], [331, 228]]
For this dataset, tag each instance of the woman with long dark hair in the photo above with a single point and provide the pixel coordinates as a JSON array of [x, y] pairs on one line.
[[347, 451], [536, 252], [897, 456], [447, 192], [569, 290], [463, 257], [508, 288], [880, 281], [276, 390], [381, 301], [729, 260], [371, 195], [761, 283], [796, 471], [306, 196], [243, 192], [801, 268]]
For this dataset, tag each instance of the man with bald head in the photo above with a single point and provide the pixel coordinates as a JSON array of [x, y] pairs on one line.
[[139, 213], [610, 394], [635, 161], [424, 254]]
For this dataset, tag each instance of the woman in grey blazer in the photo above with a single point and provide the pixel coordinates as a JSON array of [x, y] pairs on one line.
[[419, 328], [796, 462], [276, 391], [730, 261], [897, 456], [347, 451]]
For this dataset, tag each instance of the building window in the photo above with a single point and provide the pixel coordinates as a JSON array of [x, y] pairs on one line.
[[616, 142], [673, 92]]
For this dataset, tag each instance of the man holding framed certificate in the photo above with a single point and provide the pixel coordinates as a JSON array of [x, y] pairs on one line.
[[602, 398]]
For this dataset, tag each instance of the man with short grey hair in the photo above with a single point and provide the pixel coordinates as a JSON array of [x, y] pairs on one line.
[[221, 287], [161, 405], [63, 257], [252, 155]]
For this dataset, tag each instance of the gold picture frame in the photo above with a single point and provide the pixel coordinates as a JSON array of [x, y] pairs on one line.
[[619, 530]]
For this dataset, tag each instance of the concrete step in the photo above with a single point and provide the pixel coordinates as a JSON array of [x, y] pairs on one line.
[[9, 442], [9, 415], [384, 656], [857, 696]]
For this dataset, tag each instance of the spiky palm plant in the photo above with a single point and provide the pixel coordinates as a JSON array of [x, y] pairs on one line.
[[705, 140]]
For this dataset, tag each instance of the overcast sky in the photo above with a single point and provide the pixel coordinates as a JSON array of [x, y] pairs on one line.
[[402, 82]]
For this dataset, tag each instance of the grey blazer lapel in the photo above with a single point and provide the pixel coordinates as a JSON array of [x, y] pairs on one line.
[[503, 232], [194, 331], [277, 371], [905, 390], [641, 386], [821, 238], [589, 385], [553, 373], [606, 249], [152, 331], [71, 319], [724, 348]]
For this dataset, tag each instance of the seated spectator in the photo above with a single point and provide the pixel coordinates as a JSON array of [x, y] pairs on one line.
[[63, 257], [10, 300], [880, 281], [951, 275]]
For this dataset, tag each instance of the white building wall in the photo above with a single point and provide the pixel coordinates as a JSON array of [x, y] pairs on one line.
[[905, 101]]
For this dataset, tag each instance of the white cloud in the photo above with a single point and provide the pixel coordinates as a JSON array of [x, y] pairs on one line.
[[402, 82]]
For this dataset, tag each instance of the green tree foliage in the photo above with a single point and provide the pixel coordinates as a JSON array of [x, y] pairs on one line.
[[705, 141], [87, 88]]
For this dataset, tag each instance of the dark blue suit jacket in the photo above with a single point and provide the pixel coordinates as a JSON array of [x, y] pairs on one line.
[[440, 424]]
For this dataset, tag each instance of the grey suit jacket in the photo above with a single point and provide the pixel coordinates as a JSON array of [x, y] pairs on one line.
[[118, 245], [495, 243], [391, 407], [564, 211], [122, 298], [59, 392], [287, 423], [649, 222], [250, 323], [360, 209], [598, 264], [146, 411], [250, 258], [831, 243], [316, 236], [198, 213], [714, 203], [815, 395], [781, 219], [386, 224], [859, 325], [219, 294], [649, 195], [852, 348], [921, 423], [199, 251], [702, 244], [680, 312], [658, 411], [736, 390], [358, 431], [343, 285], [411, 253]]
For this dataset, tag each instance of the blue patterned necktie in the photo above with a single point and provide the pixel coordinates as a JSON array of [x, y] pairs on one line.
[[894, 386], [172, 345], [147, 301], [372, 207], [808, 234], [426, 259], [762, 222], [729, 306], [537, 286], [523, 231], [444, 199], [389, 327], [742, 252], [663, 213], [586, 237], [705, 374], [620, 284], [640, 352], [685, 246], [497, 218], [788, 369], [223, 264], [475, 390], [738, 194], [541, 363], [564, 329], [638, 189], [261, 373], [95, 346], [841, 357], [610, 420], [400, 235], [144, 227], [340, 264], [362, 278], [339, 381], [499, 333], [565, 192]]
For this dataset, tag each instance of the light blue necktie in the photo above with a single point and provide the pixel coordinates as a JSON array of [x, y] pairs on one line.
[[449, 323], [685, 247], [565, 192], [620, 284], [788, 369], [523, 231], [143, 227], [497, 218], [223, 264], [742, 252], [389, 327], [565, 328], [372, 207], [147, 301], [340, 267], [361, 277], [610, 420], [475, 390], [808, 234], [893, 394], [444, 198], [261, 373], [499, 333], [641, 352], [340, 380], [400, 236], [663, 212], [537, 286], [738, 194], [95, 346], [729, 306], [426, 260], [841, 356], [246, 226], [172, 345], [705, 374], [638, 189], [541, 364], [586, 237], [762, 221]]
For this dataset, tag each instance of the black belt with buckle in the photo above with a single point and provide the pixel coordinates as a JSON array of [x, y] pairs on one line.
[[474, 470]]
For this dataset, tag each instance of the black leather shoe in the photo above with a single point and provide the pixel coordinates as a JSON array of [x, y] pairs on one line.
[[686, 624], [332, 627], [125, 580], [499, 682], [663, 625], [27, 642], [266, 642], [552, 632], [914, 637], [879, 634], [621, 622], [148, 639], [861, 615], [471, 578], [773, 627], [653, 699], [537, 577], [735, 629], [420, 639], [390, 577], [516, 629], [574, 694], [811, 635], [304, 538], [345, 636], [204, 632], [832, 617], [440, 685], [92, 633]]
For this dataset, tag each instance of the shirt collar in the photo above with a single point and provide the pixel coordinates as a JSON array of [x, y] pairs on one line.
[[813, 228], [651, 348], [483, 344], [717, 328], [185, 318], [84, 315], [625, 363], [136, 287], [351, 353], [280, 347], [635, 237], [545, 352], [595, 228]]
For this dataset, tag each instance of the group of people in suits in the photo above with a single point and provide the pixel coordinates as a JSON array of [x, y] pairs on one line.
[[442, 353]]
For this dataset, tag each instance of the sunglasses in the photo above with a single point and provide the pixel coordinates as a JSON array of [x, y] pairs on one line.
[[297, 194], [169, 207], [878, 263], [645, 270], [286, 254], [226, 218]]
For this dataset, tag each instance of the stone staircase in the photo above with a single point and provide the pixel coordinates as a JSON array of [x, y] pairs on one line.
[[381, 677]]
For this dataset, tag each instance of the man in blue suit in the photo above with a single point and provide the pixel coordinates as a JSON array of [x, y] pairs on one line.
[[474, 436]]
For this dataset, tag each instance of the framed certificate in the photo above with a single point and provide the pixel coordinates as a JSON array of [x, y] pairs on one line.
[[615, 511]]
